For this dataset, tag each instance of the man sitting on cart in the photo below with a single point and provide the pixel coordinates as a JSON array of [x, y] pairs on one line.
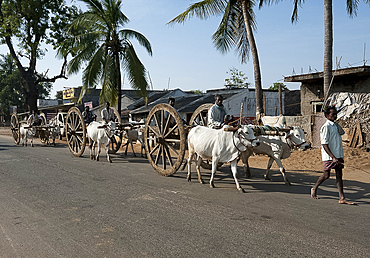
[[34, 119], [88, 116], [107, 114], [217, 115]]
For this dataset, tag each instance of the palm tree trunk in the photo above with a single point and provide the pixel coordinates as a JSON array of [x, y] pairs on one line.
[[256, 65], [328, 53], [119, 92]]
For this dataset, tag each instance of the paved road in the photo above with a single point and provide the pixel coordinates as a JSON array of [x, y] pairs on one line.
[[56, 205]]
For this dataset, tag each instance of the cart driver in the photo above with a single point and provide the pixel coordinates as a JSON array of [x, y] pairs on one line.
[[88, 116], [217, 115], [107, 114], [34, 119]]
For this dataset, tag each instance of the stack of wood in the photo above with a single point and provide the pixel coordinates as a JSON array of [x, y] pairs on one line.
[[356, 138]]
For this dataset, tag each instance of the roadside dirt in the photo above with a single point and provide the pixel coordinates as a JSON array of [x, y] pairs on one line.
[[357, 161]]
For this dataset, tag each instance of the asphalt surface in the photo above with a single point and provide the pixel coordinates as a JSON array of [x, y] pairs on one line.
[[55, 205]]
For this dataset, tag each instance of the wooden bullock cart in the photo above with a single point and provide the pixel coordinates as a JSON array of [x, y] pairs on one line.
[[42, 131]]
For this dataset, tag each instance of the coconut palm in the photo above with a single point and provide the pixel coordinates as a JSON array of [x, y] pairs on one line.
[[352, 7], [235, 30], [98, 41]]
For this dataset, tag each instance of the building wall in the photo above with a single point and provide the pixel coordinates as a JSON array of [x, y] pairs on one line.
[[292, 103], [310, 92], [248, 97]]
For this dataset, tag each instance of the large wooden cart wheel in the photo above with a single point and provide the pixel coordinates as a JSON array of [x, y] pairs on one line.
[[14, 126], [165, 139], [200, 115], [75, 132], [116, 140]]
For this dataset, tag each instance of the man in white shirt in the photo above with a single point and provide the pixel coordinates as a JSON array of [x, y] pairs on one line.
[[217, 115], [107, 114], [331, 152], [34, 118]]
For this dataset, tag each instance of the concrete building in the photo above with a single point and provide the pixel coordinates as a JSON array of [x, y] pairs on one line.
[[350, 89]]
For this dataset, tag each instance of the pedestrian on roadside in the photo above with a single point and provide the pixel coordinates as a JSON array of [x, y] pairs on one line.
[[332, 153]]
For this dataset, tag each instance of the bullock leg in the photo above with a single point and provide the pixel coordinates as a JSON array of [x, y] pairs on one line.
[[247, 169], [31, 141], [91, 147], [282, 171], [98, 151], [214, 168], [234, 170], [107, 150], [191, 153], [271, 160], [132, 148], [199, 160], [126, 146]]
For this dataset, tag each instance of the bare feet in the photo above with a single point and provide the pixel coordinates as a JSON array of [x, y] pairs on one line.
[[344, 201], [313, 194]]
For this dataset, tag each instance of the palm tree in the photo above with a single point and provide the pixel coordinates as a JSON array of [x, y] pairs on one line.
[[352, 7], [235, 30], [98, 41]]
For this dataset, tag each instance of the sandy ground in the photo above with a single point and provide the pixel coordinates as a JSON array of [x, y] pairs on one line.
[[357, 161]]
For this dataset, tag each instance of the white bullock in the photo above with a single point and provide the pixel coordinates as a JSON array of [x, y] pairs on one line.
[[25, 132], [134, 135], [277, 148], [53, 130], [100, 134], [219, 146]]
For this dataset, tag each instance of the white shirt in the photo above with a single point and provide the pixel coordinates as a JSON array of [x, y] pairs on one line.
[[216, 116], [330, 134], [33, 118], [105, 115]]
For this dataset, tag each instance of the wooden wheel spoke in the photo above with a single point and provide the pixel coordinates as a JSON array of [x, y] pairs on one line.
[[173, 149], [173, 140], [172, 129], [158, 156], [158, 126], [162, 122], [163, 157], [203, 121], [167, 123], [154, 131], [79, 125], [154, 149], [168, 155], [79, 138]]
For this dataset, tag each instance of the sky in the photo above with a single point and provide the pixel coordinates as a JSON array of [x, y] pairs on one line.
[[184, 56]]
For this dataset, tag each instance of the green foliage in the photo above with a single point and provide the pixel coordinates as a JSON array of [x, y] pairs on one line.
[[237, 79], [276, 86], [196, 91], [59, 95], [231, 31], [98, 43], [11, 93], [30, 24]]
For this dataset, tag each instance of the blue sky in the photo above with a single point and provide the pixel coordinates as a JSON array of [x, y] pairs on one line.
[[184, 56]]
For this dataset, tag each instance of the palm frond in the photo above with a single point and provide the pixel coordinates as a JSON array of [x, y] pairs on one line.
[[296, 5], [109, 89], [135, 71], [93, 71], [203, 10], [225, 38], [143, 41]]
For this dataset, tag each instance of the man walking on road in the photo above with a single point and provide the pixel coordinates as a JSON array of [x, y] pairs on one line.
[[332, 153]]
